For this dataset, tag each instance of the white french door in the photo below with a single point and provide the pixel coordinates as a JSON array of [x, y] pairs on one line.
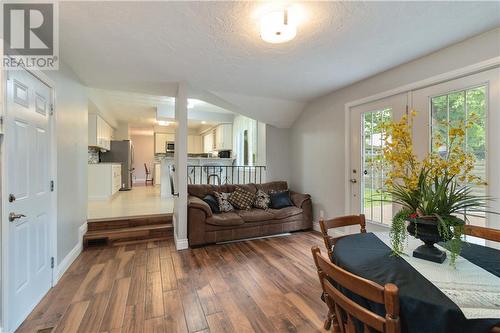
[[27, 194], [367, 142], [458, 99]]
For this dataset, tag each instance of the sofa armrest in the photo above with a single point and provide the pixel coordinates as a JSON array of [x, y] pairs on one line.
[[298, 199], [195, 202]]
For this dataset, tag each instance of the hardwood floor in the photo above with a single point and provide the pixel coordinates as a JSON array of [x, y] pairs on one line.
[[266, 285]]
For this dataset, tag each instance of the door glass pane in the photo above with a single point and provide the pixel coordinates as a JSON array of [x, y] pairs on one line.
[[375, 206], [460, 106]]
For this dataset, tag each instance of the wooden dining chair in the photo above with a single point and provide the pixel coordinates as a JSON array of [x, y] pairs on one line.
[[488, 234], [482, 232], [149, 178], [343, 310], [338, 222]]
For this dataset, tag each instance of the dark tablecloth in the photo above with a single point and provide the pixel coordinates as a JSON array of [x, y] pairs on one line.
[[423, 307]]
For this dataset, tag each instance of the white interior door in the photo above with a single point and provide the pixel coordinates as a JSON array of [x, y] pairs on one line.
[[457, 100], [366, 144], [28, 194]]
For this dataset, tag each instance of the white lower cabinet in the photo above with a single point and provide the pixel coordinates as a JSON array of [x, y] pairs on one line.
[[157, 174], [104, 180]]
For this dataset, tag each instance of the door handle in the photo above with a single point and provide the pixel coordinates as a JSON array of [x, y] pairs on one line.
[[14, 216], [353, 180]]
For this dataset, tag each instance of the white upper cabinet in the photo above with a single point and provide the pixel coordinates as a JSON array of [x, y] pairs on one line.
[[208, 142], [100, 133], [224, 137], [160, 141], [195, 145]]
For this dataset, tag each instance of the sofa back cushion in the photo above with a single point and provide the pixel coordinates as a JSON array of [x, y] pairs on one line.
[[201, 191], [277, 186]]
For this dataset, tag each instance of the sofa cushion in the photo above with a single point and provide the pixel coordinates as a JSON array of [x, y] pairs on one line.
[[212, 202], [280, 200], [262, 200], [241, 199], [286, 212], [224, 204], [225, 219], [255, 215], [201, 191], [277, 186]]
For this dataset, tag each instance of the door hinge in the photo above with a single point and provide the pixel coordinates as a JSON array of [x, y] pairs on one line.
[[51, 262], [51, 186], [51, 109]]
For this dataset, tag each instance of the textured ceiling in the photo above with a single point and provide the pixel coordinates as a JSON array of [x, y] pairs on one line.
[[150, 46]]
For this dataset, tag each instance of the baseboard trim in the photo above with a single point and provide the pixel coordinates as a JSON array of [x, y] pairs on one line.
[[72, 255], [316, 226], [181, 244]]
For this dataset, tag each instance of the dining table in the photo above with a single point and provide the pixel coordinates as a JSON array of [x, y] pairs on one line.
[[463, 297]]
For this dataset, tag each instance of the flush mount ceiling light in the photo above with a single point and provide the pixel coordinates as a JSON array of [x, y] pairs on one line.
[[278, 26]]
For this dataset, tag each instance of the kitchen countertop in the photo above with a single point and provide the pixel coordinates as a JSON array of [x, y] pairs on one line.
[[197, 158], [106, 163]]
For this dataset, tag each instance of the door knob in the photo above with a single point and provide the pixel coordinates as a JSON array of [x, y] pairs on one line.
[[353, 180], [14, 216]]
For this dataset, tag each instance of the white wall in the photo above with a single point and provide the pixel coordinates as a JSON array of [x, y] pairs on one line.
[[71, 126], [278, 154], [317, 136], [143, 153]]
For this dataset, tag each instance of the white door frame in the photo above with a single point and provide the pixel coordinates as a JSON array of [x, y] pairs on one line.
[[441, 78], [53, 209]]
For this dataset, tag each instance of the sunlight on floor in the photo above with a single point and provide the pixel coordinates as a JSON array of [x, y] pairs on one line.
[[141, 200]]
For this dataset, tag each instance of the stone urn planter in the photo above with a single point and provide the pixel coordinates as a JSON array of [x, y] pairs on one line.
[[426, 229]]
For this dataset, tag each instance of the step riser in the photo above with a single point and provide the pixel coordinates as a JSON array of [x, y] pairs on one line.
[[128, 223], [114, 239]]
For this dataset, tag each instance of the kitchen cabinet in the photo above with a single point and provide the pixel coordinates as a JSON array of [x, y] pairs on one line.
[[100, 132], [208, 142], [160, 140], [157, 174], [195, 145], [104, 180], [224, 137]]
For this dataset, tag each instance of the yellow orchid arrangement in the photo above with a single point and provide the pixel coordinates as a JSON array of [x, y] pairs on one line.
[[437, 187]]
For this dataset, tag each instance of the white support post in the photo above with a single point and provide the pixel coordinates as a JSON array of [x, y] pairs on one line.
[[180, 157]]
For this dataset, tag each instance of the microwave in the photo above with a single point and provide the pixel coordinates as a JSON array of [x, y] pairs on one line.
[[169, 146]]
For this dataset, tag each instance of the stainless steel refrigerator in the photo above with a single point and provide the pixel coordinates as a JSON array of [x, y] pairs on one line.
[[122, 152]]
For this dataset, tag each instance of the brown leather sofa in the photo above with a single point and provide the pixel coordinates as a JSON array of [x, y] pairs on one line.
[[204, 227]]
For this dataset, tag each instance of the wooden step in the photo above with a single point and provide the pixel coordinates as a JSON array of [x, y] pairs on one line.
[[117, 236], [128, 222]]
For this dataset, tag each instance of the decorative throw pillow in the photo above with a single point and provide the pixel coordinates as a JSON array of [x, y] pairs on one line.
[[280, 199], [262, 200], [224, 204], [213, 203], [242, 199]]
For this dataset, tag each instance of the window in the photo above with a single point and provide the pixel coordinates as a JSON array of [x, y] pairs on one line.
[[459, 106], [375, 202]]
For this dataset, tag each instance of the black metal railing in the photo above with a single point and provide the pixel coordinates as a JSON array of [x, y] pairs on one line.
[[220, 175], [226, 174]]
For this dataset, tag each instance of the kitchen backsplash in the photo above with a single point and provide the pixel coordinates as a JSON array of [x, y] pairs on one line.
[[93, 157]]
